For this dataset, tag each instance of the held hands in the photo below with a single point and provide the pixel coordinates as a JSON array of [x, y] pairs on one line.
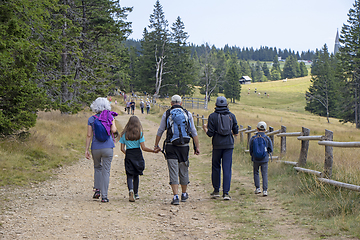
[[157, 149]]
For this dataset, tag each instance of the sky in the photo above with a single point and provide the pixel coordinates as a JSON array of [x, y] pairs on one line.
[[299, 25]]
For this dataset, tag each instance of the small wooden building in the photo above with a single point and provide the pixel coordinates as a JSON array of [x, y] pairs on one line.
[[245, 80]]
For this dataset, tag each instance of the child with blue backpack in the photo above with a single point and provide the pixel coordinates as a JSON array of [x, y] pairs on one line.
[[260, 149], [133, 138]]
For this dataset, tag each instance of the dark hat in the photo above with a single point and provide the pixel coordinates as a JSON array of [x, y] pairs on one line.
[[221, 101]]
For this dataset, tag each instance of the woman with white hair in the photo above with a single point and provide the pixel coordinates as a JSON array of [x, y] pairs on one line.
[[101, 149]]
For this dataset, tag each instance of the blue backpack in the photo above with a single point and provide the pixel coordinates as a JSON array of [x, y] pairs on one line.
[[259, 147], [100, 131], [178, 126]]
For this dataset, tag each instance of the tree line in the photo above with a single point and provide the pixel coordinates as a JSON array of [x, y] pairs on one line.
[[58, 55], [335, 81], [61, 55]]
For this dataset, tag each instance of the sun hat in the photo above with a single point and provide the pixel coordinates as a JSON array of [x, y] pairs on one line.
[[261, 126], [221, 101], [176, 99]]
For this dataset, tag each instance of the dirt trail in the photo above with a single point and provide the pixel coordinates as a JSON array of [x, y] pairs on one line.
[[63, 208]]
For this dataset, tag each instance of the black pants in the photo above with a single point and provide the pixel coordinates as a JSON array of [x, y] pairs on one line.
[[133, 182]]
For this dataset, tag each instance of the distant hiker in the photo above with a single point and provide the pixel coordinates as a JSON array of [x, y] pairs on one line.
[[133, 138], [132, 106], [142, 105], [128, 104], [101, 151], [176, 145], [260, 148], [222, 125], [148, 106]]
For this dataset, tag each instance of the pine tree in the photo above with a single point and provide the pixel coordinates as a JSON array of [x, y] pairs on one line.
[[275, 70], [303, 70], [349, 65], [291, 67], [20, 98], [322, 94], [182, 67], [232, 87], [159, 36]]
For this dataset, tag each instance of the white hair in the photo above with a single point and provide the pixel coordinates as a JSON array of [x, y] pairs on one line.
[[100, 104]]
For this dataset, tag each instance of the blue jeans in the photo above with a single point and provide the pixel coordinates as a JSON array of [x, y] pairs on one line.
[[264, 174], [221, 157]]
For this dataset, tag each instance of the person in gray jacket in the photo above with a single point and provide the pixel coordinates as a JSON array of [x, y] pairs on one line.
[[177, 156], [223, 146], [261, 162]]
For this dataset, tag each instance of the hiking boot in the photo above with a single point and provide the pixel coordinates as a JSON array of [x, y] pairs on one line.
[[184, 197], [257, 191], [226, 196], [265, 193], [104, 200], [214, 194], [96, 194], [137, 196], [175, 201], [131, 196]]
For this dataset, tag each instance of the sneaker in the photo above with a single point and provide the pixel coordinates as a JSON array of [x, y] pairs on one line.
[[184, 197], [214, 194], [96, 194], [226, 196], [104, 200], [131, 196], [175, 201], [265, 193], [257, 191], [137, 196]]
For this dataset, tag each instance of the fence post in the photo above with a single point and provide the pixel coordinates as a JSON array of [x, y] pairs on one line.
[[328, 155], [271, 129], [241, 134], [304, 147], [248, 138], [283, 142], [203, 120], [197, 120]]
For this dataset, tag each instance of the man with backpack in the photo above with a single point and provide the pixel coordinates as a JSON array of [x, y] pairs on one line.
[[260, 148], [180, 128], [222, 125]]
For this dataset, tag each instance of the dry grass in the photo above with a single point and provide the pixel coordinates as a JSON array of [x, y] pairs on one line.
[[57, 139]]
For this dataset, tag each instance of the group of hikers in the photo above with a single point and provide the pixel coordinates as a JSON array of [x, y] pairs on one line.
[[180, 129], [130, 106]]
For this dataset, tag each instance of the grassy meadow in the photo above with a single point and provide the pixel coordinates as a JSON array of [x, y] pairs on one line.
[[328, 210]]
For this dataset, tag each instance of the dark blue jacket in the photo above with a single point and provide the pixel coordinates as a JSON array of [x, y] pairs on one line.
[[269, 147], [220, 141]]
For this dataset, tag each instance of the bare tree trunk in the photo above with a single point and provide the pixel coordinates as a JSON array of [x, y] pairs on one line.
[[159, 69]]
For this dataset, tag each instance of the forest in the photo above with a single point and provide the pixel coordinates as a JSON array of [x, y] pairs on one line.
[[61, 55]]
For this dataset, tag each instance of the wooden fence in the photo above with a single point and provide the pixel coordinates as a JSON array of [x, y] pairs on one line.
[[303, 136]]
